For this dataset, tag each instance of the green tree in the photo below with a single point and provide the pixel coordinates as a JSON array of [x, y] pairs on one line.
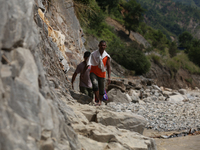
[[116, 48], [110, 4], [133, 15], [136, 60], [96, 19], [194, 55], [172, 49], [83, 1], [196, 43], [131, 57], [185, 40]]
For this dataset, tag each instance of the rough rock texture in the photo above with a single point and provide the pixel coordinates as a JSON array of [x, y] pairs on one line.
[[166, 109], [115, 95], [140, 39], [29, 110], [122, 120], [109, 136], [113, 137], [13, 32]]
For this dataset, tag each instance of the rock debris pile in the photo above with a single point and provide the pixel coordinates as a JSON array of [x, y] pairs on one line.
[[164, 109]]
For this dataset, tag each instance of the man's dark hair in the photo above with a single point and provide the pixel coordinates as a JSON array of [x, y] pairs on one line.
[[102, 41], [87, 54]]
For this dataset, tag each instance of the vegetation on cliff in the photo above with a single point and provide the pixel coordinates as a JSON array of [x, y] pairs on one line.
[[134, 56], [192, 3], [172, 18]]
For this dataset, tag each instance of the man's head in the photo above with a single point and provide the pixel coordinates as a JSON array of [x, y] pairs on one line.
[[86, 55], [102, 45]]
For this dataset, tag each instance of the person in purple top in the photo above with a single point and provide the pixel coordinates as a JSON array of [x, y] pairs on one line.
[[85, 84]]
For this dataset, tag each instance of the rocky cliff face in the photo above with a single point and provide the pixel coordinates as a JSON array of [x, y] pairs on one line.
[[40, 41], [175, 80], [32, 115]]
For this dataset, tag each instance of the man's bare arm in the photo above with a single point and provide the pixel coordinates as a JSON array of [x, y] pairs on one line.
[[73, 78], [108, 69]]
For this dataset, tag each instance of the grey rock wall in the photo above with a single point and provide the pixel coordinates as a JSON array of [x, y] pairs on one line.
[[13, 32], [32, 114]]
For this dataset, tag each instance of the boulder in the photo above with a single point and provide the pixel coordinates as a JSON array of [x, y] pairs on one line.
[[80, 97], [123, 120], [112, 86], [168, 89], [134, 96], [89, 144], [138, 87], [157, 88], [167, 93], [112, 138], [182, 91], [89, 112], [116, 84], [115, 95], [177, 98]]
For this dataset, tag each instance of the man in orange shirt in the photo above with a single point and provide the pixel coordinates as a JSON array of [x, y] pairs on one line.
[[100, 62]]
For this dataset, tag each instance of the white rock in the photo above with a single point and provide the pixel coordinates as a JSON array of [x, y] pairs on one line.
[[177, 98], [122, 120]]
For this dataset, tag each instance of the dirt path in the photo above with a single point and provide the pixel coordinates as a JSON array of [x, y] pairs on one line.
[[121, 31], [179, 143]]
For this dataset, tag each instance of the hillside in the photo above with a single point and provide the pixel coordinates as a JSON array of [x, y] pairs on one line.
[[142, 50], [162, 74], [172, 18], [193, 3]]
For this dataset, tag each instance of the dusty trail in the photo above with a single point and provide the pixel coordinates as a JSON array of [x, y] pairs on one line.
[[179, 143]]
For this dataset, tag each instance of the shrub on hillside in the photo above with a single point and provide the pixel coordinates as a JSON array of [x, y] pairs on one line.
[[156, 59], [185, 40], [96, 19], [182, 61], [136, 60], [129, 57], [83, 1], [194, 55], [172, 49]]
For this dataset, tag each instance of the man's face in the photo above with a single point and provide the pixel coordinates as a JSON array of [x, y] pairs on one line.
[[86, 58], [102, 46]]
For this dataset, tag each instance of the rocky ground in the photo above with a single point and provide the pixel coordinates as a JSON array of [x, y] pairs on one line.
[[172, 115], [166, 110], [38, 105]]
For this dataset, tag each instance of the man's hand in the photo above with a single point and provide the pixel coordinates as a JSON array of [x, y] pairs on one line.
[[108, 70], [108, 81], [73, 78], [72, 86]]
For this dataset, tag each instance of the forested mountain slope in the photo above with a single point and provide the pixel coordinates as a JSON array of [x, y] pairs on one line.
[[172, 18], [193, 3]]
